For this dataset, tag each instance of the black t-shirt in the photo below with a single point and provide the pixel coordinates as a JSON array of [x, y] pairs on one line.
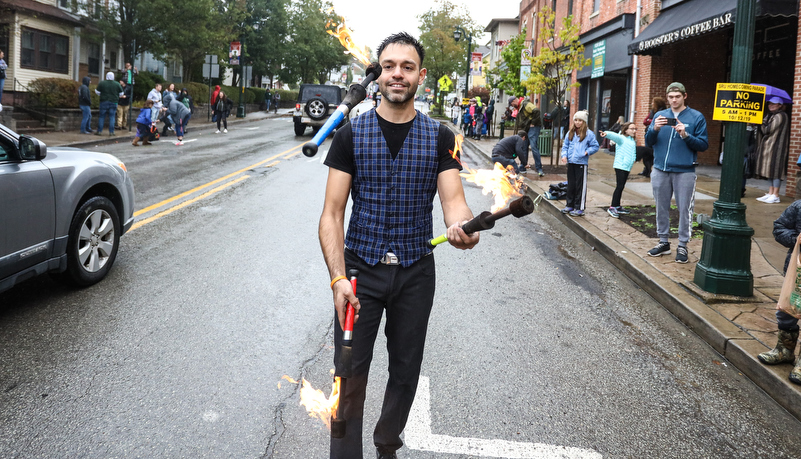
[[340, 155]]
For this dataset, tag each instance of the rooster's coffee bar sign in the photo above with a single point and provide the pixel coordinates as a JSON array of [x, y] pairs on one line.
[[692, 30]]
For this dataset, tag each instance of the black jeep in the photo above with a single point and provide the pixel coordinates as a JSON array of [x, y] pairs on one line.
[[316, 102]]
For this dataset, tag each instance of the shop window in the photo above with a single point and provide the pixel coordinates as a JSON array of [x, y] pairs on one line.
[[569, 7], [596, 5], [44, 51], [94, 58]]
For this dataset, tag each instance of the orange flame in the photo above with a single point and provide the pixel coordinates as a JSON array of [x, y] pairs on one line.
[[501, 182], [457, 147], [346, 38], [317, 404]]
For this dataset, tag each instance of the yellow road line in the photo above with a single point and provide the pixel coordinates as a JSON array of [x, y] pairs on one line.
[[186, 203], [272, 164], [213, 182]]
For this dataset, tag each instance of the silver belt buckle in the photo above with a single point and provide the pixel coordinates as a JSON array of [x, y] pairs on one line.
[[390, 259]]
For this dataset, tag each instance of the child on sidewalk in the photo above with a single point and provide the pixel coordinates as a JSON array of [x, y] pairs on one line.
[[579, 144], [143, 123], [625, 154]]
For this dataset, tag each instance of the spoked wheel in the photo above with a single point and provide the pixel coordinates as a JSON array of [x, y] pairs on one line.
[[93, 242]]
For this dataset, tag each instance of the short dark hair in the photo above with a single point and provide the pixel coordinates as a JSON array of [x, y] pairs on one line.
[[522, 133], [402, 38]]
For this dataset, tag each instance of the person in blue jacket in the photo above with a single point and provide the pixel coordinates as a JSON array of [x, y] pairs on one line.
[[579, 144], [676, 134], [625, 155], [143, 123]]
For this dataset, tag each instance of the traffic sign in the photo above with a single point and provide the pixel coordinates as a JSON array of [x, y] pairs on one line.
[[742, 103]]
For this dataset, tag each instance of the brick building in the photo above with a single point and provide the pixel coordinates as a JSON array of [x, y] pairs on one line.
[[676, 40]]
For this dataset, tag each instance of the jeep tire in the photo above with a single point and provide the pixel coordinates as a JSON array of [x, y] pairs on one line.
[[317, 108]]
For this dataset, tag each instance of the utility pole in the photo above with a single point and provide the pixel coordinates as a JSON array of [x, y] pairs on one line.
[[725, 263], [240, 110]]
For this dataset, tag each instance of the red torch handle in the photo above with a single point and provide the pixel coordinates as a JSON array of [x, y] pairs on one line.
[[350, 312]]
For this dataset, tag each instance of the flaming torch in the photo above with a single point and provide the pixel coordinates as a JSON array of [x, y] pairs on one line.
[[504, 185], [356, 93]]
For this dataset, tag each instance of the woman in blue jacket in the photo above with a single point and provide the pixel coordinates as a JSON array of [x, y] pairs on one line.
[[143, 123], [579, 144], [625, 155]]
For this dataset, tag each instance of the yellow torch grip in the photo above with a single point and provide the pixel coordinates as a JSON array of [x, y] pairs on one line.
[[438, 240]]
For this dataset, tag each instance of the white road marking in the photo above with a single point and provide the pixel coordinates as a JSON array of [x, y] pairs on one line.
[[247, 129], [418, 436]]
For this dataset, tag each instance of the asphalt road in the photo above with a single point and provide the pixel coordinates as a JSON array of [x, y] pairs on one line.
[[537, 347]]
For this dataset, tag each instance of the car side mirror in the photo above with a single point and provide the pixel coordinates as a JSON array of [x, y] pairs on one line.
[[31, 148]]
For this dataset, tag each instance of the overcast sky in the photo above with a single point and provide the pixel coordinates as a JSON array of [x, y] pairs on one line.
[[372, 22]]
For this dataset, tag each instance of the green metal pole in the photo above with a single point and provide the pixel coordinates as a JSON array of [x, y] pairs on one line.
[[725, 263]]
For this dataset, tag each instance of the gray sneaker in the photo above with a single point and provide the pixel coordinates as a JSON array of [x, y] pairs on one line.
[[681, 254], [663, 248]]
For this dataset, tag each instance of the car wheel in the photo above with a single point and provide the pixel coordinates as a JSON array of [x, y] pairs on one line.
[[300, 128], [93, 242], [317, 108]]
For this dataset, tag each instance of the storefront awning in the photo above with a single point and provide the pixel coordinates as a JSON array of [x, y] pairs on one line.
[[697, 17]]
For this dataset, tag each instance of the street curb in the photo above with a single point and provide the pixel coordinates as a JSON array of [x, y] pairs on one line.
[[726, 338]]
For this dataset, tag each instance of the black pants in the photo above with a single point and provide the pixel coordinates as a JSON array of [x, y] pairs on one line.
[[620, 179], [407, 295], [224, 120], [646, 155], [576, 186]]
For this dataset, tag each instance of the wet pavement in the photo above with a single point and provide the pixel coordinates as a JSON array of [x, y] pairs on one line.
[[738, 328]]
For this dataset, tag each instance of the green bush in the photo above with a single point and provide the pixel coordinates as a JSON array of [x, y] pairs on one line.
[[198, 91], [258, 94], [288, 97], [55, 92]]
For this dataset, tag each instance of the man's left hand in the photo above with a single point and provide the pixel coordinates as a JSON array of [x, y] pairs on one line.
[[459, 239], [680, 128]]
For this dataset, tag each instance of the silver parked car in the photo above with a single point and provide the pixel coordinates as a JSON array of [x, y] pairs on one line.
[[62, 211]]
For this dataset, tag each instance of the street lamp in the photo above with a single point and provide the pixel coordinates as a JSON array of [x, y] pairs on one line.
[[457, 35]]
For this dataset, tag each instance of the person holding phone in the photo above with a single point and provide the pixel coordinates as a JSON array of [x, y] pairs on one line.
[[676, 134]]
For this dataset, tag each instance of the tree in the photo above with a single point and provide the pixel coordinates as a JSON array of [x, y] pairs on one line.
[[133, 22], [560, 54], [444, 56], [314, 52], [507, 77], [264, 30]]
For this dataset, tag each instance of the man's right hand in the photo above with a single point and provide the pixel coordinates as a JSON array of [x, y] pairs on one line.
[[343, 293], [659, 122]]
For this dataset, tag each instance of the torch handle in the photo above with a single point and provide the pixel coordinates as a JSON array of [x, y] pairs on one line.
[[483, 221], [355, 95], [350, 312]]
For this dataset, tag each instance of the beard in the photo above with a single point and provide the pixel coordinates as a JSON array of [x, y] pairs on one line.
[[397, 97]]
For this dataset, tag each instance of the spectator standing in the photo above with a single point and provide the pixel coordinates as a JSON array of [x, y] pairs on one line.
[[580, 143], [528, 118], [155, 96], [676, 146], [180, 114], [223, 109], [565, 121], [213, 102], [122, 104], [625, 154], [130, 73], [456, 111], [109, 91], [773, 148], [85, 103], [3, 68], [187, 100], [488, 113], [143, 124], [268, 98], [391, 221], [646, 154], [276, 101], [168, 96], [786, 231], [509, 148]]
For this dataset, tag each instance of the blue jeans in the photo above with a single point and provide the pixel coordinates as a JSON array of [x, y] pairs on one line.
[[506, 162], [86, 122], [180, 126], [110, 109], [2, 83], [533, 140]]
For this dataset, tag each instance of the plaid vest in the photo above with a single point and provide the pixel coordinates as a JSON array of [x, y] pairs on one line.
[[392, 199]]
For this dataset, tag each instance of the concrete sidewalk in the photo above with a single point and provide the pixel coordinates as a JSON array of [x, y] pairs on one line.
[[739, 328]]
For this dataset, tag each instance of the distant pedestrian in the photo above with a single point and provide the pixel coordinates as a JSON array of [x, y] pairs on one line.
[[181, 115], [85, 103], [625, 154], [580, 143], [122, 105], [268, 98], [488, 114], [646, 154], [168, 96], [187, 100], [130, 74], [677, 134], [773, 148], [786, 231], [143, 124], [3, 67], [510, 148], [109, 91], [529, 118], [155, 96], [456, 111], [223, 109], [276, 101]]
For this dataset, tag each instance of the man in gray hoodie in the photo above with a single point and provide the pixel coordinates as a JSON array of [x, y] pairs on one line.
[[85, 103], [180, 114]]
